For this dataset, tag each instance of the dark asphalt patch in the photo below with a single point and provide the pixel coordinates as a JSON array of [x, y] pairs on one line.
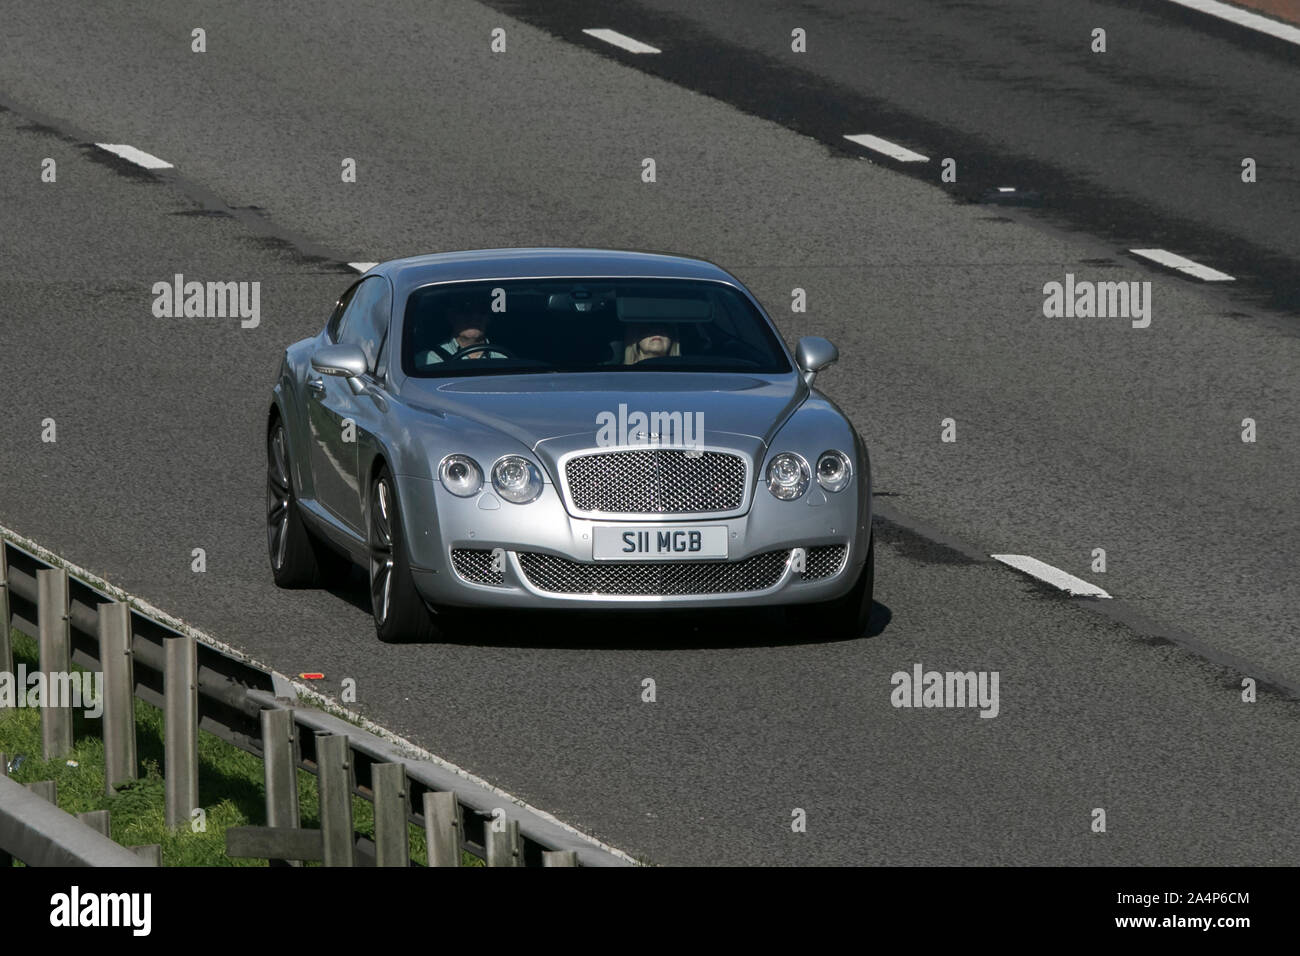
[[1141, 629], [40, 129], [919, 541], [289, 251], [915, 547]]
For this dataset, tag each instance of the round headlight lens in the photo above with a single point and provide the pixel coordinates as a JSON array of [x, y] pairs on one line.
[[787, 476], [516, 479], [834, 470], [461, 475]]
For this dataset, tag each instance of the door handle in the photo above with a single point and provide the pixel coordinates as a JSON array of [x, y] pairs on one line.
[[316, 386]]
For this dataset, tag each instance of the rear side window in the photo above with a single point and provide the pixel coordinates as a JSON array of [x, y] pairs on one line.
[[365, 321]]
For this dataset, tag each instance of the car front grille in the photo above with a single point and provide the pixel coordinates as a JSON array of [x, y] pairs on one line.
[[475, 566], [823, 562], [656, 481], [546, 572]]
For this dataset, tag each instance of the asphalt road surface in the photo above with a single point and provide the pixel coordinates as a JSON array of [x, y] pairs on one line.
[[1072, 433]]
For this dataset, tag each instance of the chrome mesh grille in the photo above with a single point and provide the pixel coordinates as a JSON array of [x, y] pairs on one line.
[[823, 561], [475, 566], [656, 481], [546, 572]]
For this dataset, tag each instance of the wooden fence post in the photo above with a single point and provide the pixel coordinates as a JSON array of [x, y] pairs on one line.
[[149, 851], [335, 777], [442, 828], [97, 820], [5, 859], [502, 844], [6, 647], [119, 694], [46, 789], [392, 844], [181, 728], [56, 660], [280, 757]]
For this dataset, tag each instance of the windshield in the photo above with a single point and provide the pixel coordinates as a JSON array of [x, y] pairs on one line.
[[585, 325]]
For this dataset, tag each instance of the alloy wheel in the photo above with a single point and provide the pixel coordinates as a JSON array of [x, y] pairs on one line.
[[381, 548], [278, 497]]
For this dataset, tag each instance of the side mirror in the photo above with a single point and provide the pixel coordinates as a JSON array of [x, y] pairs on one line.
[[345, 361], [814, 354]]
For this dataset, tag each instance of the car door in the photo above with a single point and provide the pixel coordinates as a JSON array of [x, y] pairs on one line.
[[337, 417]]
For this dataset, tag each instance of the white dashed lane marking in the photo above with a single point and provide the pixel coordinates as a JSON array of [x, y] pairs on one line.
[[621, 41], [1184, 265], [137, 156], [1053, 576], [1243, 18], [363, 266], [892, 150]]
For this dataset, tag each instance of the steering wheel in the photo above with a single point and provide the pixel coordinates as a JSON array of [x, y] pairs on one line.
[[468, 349]]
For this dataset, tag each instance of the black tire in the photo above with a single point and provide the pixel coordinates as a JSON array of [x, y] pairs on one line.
[[847, 616], [400, 613], [298, 559]]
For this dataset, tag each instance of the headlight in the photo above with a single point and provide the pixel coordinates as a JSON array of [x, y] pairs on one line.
[[787, 476], [834, 470], [461, 475], [516, 479]]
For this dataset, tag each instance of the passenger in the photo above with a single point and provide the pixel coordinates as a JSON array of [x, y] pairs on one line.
[[643, 341]]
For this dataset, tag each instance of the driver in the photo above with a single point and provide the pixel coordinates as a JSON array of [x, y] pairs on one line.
[[469, 326]]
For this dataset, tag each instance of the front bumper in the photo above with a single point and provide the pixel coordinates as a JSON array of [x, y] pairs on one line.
[[481, 551]]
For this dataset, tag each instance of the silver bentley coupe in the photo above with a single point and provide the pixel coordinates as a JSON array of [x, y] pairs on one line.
[[565, 428]]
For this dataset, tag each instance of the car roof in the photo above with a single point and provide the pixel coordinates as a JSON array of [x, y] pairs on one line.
[[537, 263]]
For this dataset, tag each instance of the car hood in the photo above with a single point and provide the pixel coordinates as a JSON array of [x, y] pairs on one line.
[[556, 413]]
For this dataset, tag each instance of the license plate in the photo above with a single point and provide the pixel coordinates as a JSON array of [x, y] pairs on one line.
[[659, 543]]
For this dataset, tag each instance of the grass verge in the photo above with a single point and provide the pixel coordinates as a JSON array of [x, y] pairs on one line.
[[231, 784]]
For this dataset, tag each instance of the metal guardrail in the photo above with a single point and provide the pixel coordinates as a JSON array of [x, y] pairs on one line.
[[230, 695], [40, 834]]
